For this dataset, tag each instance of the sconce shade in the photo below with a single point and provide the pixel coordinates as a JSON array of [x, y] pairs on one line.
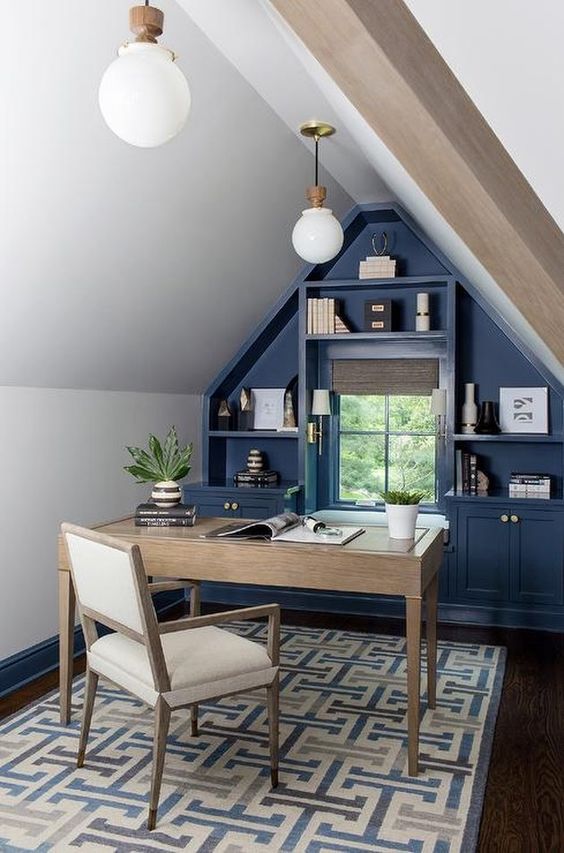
[[320, 404], [438, 402], [317, 236], [143, 95]]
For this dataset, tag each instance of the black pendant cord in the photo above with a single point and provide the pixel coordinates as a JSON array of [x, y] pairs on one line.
[[317, 161]]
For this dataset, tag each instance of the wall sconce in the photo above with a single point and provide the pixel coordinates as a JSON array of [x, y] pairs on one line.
[[321, 405], [317, 236], [439, 410]]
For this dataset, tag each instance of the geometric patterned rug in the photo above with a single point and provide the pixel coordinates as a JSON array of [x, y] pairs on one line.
[[343, 760]]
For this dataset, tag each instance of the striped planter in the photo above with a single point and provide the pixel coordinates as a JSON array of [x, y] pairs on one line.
[[166, 493]]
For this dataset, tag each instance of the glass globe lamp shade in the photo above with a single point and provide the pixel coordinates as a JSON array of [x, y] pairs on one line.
[[144, 97], [317, 236]]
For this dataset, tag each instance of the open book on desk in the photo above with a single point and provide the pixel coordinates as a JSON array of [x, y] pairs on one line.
[[288, 527]]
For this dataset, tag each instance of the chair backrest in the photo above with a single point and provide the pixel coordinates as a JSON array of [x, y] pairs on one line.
[[111, 588]]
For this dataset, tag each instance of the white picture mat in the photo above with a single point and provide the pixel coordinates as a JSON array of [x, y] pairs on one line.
[[268, 407], [523, 410]]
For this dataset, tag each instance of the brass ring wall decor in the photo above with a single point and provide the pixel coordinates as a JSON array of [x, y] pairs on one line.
[[384, 249]]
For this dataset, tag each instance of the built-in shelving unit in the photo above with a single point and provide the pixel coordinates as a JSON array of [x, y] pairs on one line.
[[493, 571]]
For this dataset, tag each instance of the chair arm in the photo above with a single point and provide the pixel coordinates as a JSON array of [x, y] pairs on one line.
[[270, 610], [164, 586]]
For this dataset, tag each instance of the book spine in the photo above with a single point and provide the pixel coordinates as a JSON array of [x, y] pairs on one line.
[[309, 317], [459, 471], [466, 473], [473, 474], [164, 522], [164, 513]]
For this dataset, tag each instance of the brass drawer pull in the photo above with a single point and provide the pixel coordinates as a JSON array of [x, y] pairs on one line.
[[234, 505], [226, 505], [504, 518], [515, 519]]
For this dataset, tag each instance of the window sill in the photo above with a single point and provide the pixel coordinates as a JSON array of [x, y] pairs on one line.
[[377, 516]]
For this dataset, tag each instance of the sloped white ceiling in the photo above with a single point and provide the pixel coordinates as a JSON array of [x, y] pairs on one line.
[[508, 56], [124, 268], [473, 37]]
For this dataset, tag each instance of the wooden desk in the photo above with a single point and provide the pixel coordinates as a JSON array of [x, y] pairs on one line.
[[372, 563]]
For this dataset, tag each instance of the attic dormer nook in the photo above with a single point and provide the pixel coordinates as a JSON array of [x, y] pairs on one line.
[[495, 571]]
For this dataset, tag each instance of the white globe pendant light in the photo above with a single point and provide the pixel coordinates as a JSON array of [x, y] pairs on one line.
[[144, 97], [317, 236]]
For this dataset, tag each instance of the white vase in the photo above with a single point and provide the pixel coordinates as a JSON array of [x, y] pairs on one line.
[[402, 519], [469, 408], [166, 493]]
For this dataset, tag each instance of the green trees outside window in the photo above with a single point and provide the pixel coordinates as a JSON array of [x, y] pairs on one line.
[[386, 442]]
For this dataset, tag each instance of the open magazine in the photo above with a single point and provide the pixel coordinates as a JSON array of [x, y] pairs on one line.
[[288, 527]]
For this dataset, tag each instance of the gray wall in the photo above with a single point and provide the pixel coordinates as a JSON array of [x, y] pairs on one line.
[[62, 458]]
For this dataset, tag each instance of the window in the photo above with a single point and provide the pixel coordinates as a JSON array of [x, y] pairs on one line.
[[386, 441]]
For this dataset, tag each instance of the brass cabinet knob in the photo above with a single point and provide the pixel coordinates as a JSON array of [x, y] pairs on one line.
[[504, 518], [226, 505], [514, 519], [234, 505]]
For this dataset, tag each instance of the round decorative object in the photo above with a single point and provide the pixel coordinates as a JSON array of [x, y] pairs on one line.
[[317, 236], [166, 493], [144, 96], [255, 460]]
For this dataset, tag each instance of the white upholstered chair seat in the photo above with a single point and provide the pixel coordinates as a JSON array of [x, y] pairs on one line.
[[196, 656]]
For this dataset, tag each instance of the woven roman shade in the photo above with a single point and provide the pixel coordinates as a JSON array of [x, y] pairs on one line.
[[415, 376]]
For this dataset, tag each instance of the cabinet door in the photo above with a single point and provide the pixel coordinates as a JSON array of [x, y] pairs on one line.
[[234, 504], [537, 556], [483, 553]]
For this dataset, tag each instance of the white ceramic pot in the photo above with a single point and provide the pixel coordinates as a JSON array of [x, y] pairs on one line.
[[402, 519], [166, 493]]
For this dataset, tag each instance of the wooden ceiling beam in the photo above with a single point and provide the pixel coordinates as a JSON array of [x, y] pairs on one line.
[[385, 64]]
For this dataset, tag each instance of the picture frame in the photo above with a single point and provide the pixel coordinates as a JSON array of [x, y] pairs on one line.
[[523, 410], [268, 408]]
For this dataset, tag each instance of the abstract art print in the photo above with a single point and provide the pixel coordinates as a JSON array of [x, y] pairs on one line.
[[523, 410]]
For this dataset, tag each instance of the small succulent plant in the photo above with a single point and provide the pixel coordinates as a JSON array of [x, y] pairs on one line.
[[402, 498], [166, 461]]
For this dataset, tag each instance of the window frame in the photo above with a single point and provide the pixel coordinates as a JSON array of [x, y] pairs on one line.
[[386, 433]]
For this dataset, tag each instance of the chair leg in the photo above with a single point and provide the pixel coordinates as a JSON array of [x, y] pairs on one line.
[[273, 705], [194, 720], [162, 722], [87, 708]]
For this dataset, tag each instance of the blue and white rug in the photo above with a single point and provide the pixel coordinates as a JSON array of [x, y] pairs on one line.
[[343, 771]]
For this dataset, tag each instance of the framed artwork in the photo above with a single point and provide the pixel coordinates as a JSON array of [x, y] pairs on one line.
[[523, 410], [268, 407]]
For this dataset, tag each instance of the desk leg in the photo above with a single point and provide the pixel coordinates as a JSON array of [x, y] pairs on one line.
[[67, 603], [431, 595], [413, 616]]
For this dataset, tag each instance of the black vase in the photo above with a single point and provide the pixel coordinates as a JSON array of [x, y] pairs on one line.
[[487, 420]]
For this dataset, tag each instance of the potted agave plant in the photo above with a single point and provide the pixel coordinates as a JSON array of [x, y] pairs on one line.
[[401, 511], [162, 464]]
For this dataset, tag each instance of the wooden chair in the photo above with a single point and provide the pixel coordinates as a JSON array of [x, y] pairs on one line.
[[169, 665]]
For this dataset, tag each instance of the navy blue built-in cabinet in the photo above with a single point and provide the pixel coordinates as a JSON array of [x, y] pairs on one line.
[[504, 561]]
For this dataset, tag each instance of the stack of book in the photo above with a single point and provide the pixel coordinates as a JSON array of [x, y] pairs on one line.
[[529, 486], [377, 266], [151, 515], [256, 479], [466, 473], [323, 317]]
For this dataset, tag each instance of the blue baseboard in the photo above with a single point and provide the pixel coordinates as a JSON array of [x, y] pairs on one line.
[[546, 619], [22, 668], [25, 666]]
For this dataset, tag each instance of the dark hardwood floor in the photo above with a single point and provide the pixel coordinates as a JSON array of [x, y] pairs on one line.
[[524, 804]]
